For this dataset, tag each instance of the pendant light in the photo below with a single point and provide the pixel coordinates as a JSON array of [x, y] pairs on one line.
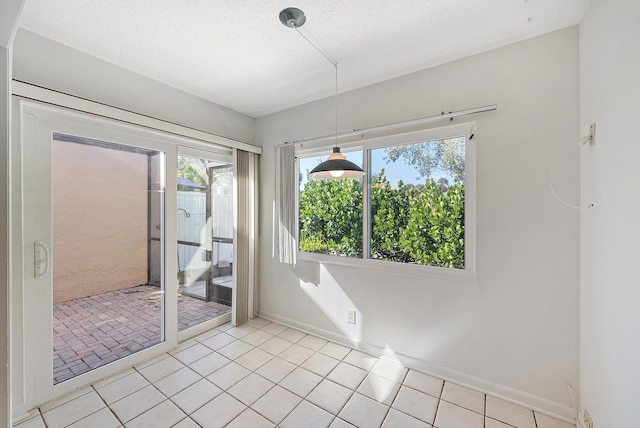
[[336, 165]]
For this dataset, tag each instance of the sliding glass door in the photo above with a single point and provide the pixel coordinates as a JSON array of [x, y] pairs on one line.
[[95, 242], [204, 237], [128, 246]]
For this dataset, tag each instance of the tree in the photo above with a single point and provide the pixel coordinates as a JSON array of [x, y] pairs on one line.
[[389, 215], [197, 171], [435, 230], [330, 215], [430, 156], [422, 224], [443, 184], [190, 172]]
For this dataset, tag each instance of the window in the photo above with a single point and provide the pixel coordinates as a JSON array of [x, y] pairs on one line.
[[330, 211], [413, 207]]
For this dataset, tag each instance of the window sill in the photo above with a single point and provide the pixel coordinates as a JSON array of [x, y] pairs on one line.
[[466, 276]]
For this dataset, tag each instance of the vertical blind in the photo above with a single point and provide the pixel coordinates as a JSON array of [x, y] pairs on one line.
[[285, 212], [244, 297]]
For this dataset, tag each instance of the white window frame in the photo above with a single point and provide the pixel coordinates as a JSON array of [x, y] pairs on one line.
[[400, 268]]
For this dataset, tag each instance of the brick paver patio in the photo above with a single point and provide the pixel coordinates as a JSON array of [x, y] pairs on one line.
[[92, 331]]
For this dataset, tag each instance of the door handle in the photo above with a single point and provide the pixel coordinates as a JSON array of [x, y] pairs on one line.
[[40, 259]]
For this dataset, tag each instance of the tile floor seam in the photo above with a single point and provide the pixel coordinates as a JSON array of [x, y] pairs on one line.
[[150, 409], [412, 416], [107, 406], [124, 396], [162, 393], [304, 398], [422, 392], [484, 424], [286, 416], [128, 395], [44, 422], [70, 393], [385, 415], [345, 403], [168, 374], [460, 405], [323, 378], [226, 390], [265, 393], [361, 382], [435, 414]]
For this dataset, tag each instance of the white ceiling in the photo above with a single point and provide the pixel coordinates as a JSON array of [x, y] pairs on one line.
[[238, 54]]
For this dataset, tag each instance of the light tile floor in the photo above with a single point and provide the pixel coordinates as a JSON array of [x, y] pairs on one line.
[[263, 374]]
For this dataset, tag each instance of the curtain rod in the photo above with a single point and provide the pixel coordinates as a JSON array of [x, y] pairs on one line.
[[406, 123]]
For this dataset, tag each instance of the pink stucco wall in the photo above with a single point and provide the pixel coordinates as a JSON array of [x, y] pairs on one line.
[[99, 220]]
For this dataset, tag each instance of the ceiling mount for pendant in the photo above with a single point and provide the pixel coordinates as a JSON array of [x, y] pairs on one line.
[[292, 17]]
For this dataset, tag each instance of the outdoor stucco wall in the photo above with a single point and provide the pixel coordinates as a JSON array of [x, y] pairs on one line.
[[99, 220]]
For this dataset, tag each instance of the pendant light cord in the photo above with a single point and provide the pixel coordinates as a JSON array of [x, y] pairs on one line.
[[335, 102], [335, 66]]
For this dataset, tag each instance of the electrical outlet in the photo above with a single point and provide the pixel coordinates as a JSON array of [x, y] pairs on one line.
[[587, 419], [351, 316]]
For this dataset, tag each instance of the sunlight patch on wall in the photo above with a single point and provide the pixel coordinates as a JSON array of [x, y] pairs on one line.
[[329, 296]]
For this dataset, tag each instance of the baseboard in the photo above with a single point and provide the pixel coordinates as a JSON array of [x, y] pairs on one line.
[[497, 390]]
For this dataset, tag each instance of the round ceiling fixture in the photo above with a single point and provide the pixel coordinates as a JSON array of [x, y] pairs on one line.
[[292, 17]]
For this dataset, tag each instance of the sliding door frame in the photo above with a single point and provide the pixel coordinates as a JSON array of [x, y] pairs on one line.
[[38, 122], [228, 158], [25, 390]]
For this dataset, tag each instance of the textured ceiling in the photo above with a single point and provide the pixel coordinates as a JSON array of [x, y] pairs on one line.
[[238, 54]]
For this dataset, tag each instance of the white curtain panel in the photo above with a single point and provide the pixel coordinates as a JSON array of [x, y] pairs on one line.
[[285, 209]]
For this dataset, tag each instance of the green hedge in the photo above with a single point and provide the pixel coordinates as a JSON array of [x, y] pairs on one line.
[[421, 224]]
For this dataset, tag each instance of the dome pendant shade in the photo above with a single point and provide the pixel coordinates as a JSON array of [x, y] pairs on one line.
[[336, 166]]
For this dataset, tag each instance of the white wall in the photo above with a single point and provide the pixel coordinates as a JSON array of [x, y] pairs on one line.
[[610, 232], [9, 17], [5, 121], [43, 62], [515, 331]]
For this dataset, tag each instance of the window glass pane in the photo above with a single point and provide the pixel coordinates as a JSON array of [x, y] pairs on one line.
[[205, 240], [417, 203], [108, 291], [330, 211]]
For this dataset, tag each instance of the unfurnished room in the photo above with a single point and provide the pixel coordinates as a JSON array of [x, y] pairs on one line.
[[413, 213]]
